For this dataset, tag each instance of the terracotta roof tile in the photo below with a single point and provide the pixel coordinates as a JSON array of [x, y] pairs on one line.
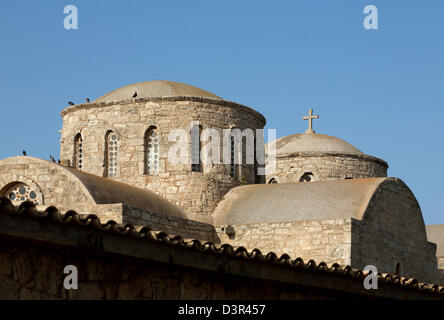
[[92, 221]]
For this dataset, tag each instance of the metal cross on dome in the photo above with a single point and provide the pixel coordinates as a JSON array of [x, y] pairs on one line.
[[310, 118]]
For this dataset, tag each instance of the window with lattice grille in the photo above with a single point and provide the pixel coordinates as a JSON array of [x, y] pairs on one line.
[[152, 152], [196, 147], [21, 192], [78, 152], [112, 153], [232, 155]]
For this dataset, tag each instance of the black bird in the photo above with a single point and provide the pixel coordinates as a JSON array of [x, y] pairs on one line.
[[70, 103], [59, 162], [52, 158], [135, 94], [87, 100], [24, 152]]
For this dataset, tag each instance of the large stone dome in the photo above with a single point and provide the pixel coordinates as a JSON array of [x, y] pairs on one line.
[[159, 88], [128, 140], [310, 142]]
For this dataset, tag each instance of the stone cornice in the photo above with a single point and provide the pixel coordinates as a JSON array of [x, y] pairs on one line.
[[361, 156], [88, 234], [220, 102]]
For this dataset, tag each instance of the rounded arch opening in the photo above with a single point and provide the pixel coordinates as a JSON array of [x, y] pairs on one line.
[[152, 156], [112, 146], [78, 161], [307, 177], [19, 191], [196, 147]]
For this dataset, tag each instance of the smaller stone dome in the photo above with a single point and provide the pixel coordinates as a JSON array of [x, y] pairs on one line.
[[311, 157], [151, 89], [311, 142]]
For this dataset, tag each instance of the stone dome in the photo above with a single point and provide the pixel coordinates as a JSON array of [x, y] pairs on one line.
[[87, 191], [311, 142], [128, 140], [159, 88], [286, 202], [318, 157]]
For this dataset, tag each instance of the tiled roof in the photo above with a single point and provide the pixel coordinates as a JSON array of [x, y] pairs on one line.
[[52, 214]]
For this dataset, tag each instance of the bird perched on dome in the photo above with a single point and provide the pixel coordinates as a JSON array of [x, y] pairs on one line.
[[135, 94], [87, 100], [70, 103], [24, 153], [52, 158]]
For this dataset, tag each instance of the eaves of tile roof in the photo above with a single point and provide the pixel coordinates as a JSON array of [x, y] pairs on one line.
[[25, 221]]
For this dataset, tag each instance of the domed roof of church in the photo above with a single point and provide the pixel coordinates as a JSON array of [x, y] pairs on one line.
[[312, 142], [92, 190], [159, 88], [286, 202]]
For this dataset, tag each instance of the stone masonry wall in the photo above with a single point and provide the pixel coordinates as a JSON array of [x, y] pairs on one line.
[[45, 178], [196, 192], [51, 182], [29, 271], [326, 166], [391, 232], [440, 277], [188, 229], [326, 241]]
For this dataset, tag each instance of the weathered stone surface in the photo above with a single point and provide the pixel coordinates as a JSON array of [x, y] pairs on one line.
[[298, 239], [386, 230], [91, 194], [131, 120], [381, 226], [325, 166]]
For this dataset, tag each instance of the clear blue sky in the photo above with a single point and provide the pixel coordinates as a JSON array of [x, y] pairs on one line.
[[381, 90]]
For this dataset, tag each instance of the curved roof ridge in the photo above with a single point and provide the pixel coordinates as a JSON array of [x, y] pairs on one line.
[[106, 191], [287, 202], [155, 88], [303, 142], [57, 167], [100, 190], [53, 215]]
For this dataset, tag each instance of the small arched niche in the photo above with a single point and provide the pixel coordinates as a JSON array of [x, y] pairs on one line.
[[78, 160], [152, 156], [18, 192], [307, 177], [196, 147], [112, 146]]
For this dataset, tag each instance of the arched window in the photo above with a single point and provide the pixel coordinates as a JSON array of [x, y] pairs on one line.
[[246, 159], [273, 180], [111, 153], [255, 166], [152, 151], [20, 192], [307, 177], [78, 152], [233, 171], [196, 146]]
